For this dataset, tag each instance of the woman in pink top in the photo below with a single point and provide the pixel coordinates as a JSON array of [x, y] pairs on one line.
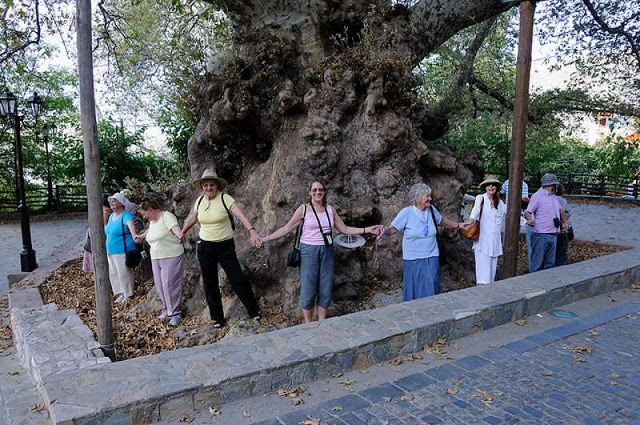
[[316, 248]]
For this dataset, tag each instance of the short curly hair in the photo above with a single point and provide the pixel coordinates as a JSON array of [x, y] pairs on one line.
[[417, 191]]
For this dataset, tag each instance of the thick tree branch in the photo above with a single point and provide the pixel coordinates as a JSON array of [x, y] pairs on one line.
[[452, 100], [7, 53], [619, 30], [432, 22]]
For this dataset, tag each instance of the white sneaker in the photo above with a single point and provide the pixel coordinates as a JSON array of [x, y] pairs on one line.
[[175, 319], [162, 316], [121, 299]]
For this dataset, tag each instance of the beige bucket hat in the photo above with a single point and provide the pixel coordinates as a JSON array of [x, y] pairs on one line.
[[209, 174], [488, 181]]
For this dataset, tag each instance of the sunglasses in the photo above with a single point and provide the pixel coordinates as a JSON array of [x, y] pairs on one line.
[[317, 190]]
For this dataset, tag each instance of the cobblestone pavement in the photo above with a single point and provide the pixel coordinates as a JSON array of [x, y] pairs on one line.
[[545, 371], [50, 239]]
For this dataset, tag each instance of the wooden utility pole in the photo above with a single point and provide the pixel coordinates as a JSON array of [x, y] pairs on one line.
[[92, 178], [518, 138]]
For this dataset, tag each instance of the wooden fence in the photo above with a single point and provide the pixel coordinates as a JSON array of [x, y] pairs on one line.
[[600, 185], [66, 198]]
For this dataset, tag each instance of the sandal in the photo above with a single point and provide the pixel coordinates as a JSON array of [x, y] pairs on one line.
[[258, 316], [217, 325]]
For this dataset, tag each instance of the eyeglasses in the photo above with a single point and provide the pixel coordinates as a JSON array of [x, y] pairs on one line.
[[317, 190]]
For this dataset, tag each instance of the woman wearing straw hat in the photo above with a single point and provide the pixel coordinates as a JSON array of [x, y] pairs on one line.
[[120, 232], [318, 220], [491, 211], [213, 210]]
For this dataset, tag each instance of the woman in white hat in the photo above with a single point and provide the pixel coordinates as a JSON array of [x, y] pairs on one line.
[[213, 210], [120, 232], [318, 220], [491, 211]]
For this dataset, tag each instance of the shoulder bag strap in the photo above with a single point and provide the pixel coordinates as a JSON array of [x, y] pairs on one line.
[[233, 224], [296, 241], [481, 208], [124, 243]]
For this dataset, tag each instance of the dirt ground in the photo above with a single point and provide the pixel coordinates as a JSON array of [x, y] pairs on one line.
[[138, 332]]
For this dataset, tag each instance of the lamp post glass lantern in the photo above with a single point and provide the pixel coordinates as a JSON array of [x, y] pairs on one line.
[[9, 111]]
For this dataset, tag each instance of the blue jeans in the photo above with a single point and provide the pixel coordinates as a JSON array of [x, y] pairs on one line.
[[316, 276], [543, 254]]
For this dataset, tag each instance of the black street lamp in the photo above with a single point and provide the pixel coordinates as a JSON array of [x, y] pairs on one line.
[[9, 110], [49, 130]]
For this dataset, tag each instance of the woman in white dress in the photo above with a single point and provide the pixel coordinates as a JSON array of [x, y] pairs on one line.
[[491, 211]]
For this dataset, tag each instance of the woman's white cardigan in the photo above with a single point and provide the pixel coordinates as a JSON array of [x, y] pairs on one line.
[[491, 226]]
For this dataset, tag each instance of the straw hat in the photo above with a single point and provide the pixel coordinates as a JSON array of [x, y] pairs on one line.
[[488, 181], [209, 175]]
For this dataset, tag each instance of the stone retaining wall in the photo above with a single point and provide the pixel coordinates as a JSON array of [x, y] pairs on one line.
[[169, 385], [50, 341]]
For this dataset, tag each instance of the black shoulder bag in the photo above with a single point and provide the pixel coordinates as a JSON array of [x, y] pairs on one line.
[[293, 257], [328, 236], [132, 258]]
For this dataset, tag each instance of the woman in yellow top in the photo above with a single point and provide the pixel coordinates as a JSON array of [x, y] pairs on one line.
[[213, 211], [165, 239]]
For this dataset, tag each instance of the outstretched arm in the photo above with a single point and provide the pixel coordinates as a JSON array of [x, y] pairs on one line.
[[347, 230], [294, 222], [192, 219], [255, 239]]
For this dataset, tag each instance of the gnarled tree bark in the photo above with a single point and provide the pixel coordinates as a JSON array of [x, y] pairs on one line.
[[323, 89]]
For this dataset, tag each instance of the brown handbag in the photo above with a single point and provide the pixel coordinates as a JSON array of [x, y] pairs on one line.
[[473, 232]]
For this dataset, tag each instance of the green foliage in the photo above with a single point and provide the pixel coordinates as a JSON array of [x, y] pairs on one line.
[[615, 156], [605, 52], [156, 56]]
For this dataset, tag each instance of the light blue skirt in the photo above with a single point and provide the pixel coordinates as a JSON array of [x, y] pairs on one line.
[[420, 278]]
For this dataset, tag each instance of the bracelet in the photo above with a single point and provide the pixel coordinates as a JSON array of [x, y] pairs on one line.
[[253, 228]]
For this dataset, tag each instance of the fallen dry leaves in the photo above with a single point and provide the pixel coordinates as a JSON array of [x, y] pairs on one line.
[[292, 392], [140, 334], [584, 349]]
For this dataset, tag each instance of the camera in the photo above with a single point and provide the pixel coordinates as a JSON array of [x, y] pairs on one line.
[[328, 239], [556, 222]]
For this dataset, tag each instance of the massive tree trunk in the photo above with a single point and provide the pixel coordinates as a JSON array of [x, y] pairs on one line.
[[323, 89]]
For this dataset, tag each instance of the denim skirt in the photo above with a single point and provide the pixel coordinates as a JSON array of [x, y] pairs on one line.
[[420, 278]]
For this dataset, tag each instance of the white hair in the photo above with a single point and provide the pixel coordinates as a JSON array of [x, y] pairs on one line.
[[417, 191]]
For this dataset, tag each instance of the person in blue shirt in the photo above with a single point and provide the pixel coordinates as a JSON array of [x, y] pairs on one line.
[[120, 230], [421, 264]]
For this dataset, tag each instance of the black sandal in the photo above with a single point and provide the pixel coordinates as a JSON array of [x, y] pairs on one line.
[[258, 316]]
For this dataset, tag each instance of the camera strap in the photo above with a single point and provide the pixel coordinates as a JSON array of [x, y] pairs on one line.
[[326, 210]]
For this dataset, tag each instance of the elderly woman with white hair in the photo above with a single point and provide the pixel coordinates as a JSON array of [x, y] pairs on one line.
[[421, 264], [120, 232]]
